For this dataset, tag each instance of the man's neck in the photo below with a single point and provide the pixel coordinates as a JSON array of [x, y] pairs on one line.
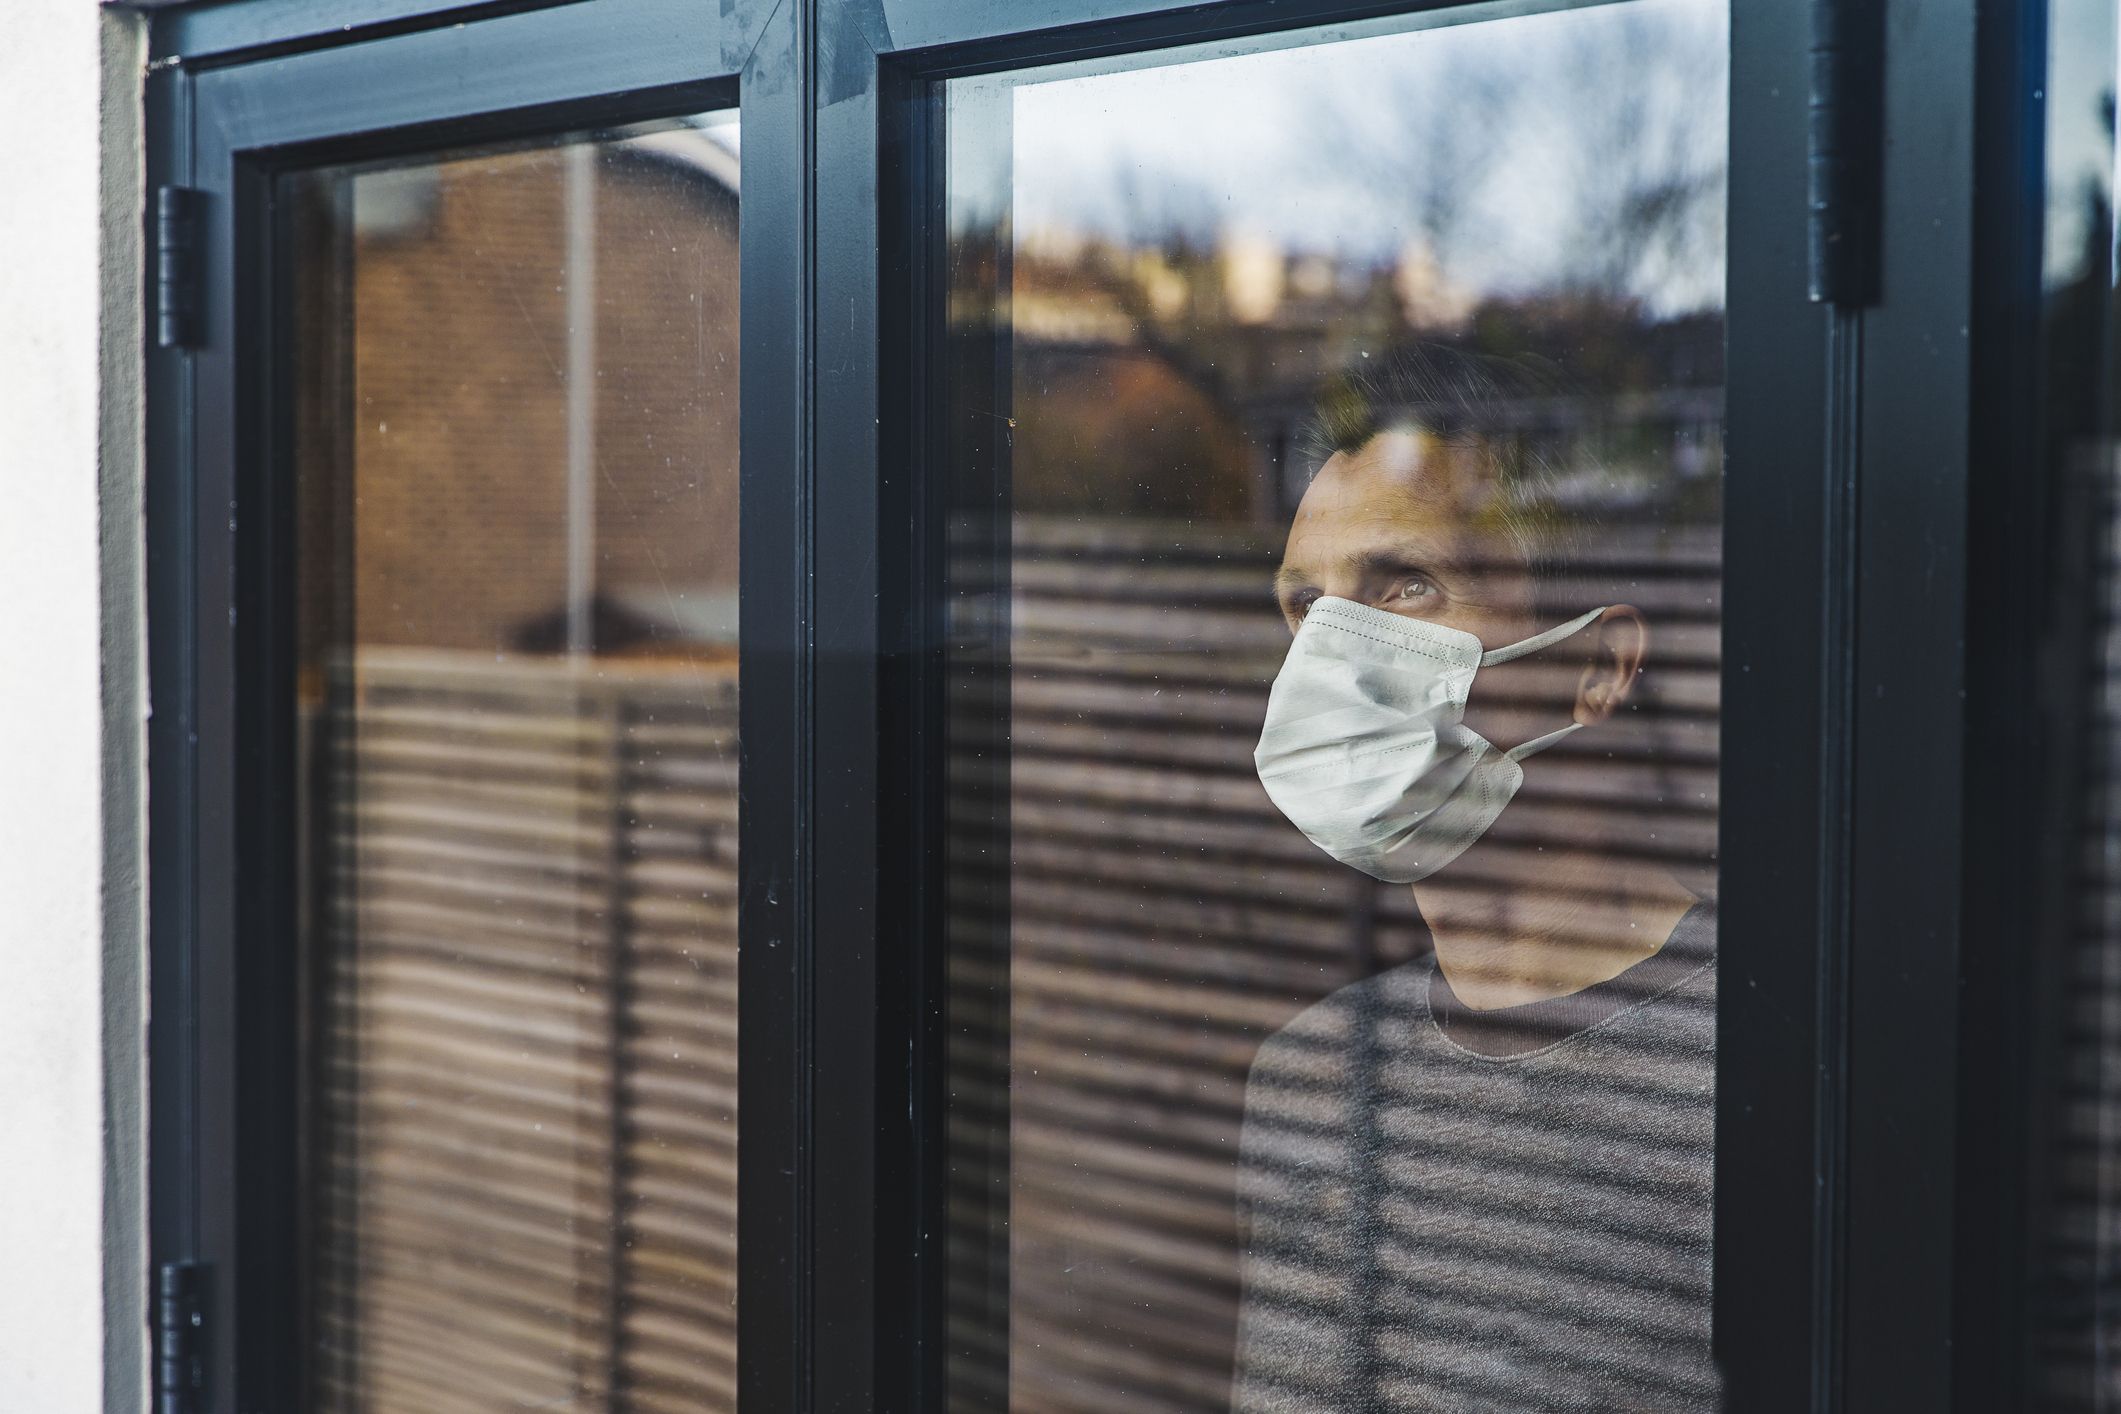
[[1586, 918]]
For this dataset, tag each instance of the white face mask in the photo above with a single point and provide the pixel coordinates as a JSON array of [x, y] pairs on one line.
[[1363, 747]]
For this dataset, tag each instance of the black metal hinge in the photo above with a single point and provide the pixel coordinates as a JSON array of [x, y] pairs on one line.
[[1847, 131], [181, 1330], [177, 267]]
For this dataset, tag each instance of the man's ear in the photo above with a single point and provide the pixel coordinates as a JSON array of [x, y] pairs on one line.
[[1620, 642]]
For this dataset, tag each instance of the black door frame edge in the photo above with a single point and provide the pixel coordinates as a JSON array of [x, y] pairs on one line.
[[777, 709], [1908, 807], [2032, 521]]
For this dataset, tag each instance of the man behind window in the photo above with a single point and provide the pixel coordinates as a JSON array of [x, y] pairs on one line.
[[1481, 1180]]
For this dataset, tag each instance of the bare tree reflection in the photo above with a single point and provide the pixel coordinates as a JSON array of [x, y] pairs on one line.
[[1632, 183]]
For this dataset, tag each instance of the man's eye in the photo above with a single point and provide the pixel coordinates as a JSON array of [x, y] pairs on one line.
[[1416, 588]]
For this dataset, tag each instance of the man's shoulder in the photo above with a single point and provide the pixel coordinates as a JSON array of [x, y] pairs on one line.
[[1327, 1027]]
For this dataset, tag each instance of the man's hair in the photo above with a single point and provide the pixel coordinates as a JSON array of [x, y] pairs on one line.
[[1487, 405]]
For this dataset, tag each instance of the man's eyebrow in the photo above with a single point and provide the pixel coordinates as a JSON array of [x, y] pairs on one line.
[[1402, 559], [1290, 577]]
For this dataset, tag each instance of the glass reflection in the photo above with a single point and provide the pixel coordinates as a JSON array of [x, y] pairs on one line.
[[1334, 1011], [2072, 1316], [517, 483]]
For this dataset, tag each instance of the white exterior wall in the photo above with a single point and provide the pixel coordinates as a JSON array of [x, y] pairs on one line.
[[72, 1302]]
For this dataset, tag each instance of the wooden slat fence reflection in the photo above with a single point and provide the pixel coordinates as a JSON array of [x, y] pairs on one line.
[[1164, 919], [2078, 1299], [526, 1031], [525, 1061]]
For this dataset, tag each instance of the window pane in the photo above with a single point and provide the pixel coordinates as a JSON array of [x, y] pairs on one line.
[[1336, 439], [516, 478], [2073, 1297]]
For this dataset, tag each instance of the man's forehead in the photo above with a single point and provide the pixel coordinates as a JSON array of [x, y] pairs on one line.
[[1401, 496], [1401, 454], [1406, 472], [1400, 486]]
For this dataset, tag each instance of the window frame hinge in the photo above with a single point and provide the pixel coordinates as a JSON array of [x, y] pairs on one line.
[[177, 266], [1845, 151], [183, 1326]]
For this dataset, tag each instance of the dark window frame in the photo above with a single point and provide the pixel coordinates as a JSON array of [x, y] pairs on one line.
[[224, 1112], [1859, 1261]]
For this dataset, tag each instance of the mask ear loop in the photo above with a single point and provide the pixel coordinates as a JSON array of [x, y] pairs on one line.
[[1532, 645], [1540, 743], [1541, 640]]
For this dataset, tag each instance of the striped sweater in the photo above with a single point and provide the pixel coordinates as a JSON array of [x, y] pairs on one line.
[[1506, 1211]]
